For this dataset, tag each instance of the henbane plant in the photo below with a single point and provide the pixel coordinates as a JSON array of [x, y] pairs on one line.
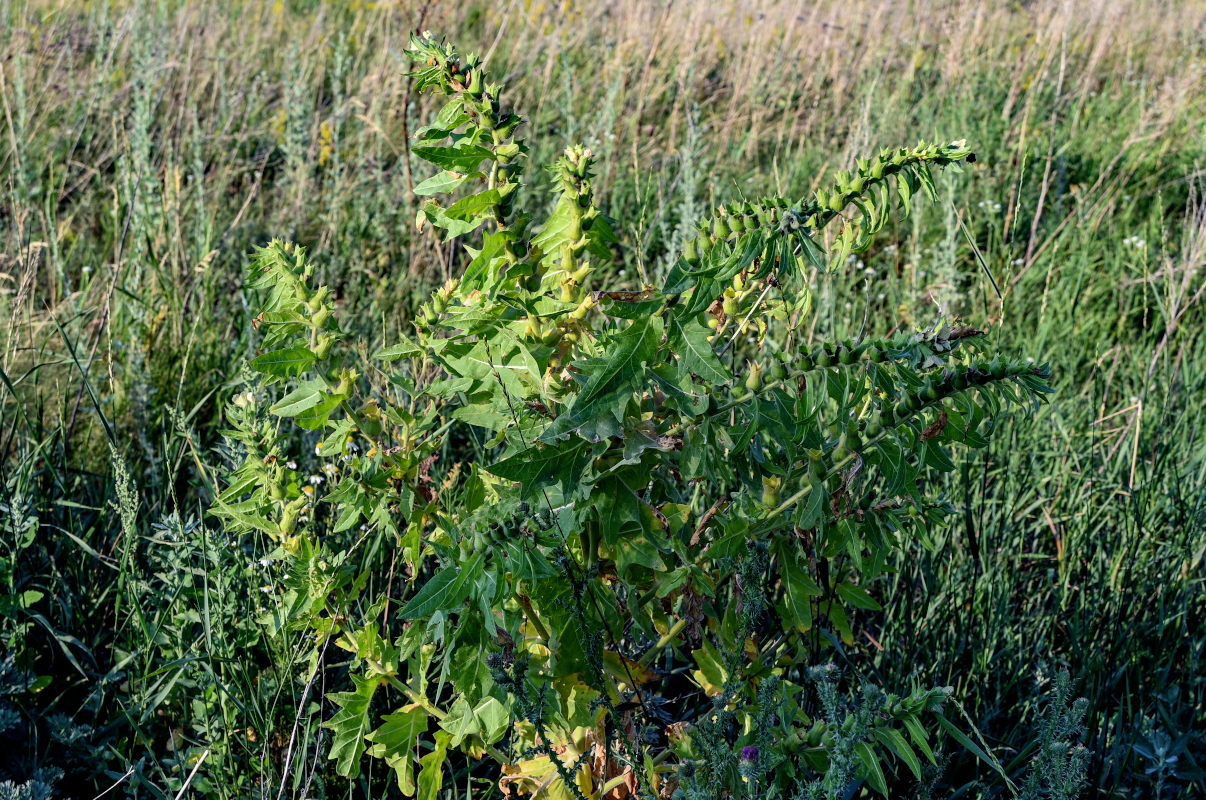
[[631, 528]]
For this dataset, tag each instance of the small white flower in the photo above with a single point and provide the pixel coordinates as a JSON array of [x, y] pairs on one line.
[[316, 480], [86, 270], [1017, 262], [291, 464], [266, 589], [318, 449], [330, 469]]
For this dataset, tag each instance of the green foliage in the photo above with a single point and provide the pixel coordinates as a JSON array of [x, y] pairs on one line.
[[637, 524], [1058, 768], [154, 651]]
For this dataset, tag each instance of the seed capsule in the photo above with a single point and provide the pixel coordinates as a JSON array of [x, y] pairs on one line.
[[691, 252], [753, 381], [770, 490]]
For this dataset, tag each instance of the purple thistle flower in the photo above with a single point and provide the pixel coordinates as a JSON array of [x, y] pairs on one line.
[[749, 753]]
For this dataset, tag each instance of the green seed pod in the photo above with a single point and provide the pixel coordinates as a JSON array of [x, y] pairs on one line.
[[691, 252], [770, 490], [475, 87], [736, 224], [902, 409], [846, 355], [720, 228], [730, 306], [804, 362], [325, 342], [777, 370], [913, 401], [822, 358], [753, 381], [842, 451], [998, 368], [874, 354], [875, 427], [929, 392], [828, 740]]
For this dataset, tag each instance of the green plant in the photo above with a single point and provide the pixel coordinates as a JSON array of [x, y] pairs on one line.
[[609, 525], [1058, 767]]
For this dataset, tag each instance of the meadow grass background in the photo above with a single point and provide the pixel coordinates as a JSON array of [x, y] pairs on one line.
[[145, 148]]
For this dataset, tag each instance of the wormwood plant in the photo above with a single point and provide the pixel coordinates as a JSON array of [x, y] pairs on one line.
[[615, 537]]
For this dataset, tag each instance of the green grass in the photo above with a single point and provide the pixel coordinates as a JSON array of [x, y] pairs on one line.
[[146, 149]]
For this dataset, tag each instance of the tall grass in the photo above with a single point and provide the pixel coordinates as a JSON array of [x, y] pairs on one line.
[[147, 146]]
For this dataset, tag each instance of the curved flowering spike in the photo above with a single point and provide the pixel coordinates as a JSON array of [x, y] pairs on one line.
[[780, 237]]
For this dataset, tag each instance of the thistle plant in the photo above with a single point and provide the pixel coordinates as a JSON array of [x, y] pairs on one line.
[[627, 524]]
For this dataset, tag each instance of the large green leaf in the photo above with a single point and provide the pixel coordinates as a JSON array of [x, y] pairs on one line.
[[431, 779], [627, 353], [395, 742], [460, 158], [350, 724], [689, 341], [467, 208], [445, 591], [543, 464], [306, 396], [444, 183], [285, 362]]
